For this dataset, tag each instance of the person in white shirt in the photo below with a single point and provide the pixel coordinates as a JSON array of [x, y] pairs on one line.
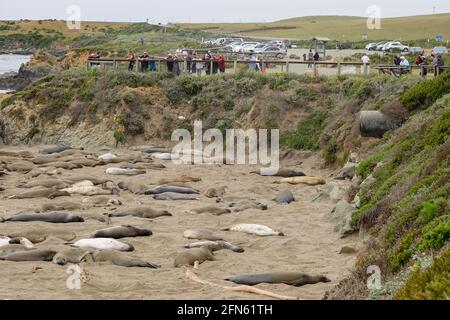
[[365, 59]]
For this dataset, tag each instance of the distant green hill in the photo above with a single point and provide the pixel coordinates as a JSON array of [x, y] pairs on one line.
[[337, 28]]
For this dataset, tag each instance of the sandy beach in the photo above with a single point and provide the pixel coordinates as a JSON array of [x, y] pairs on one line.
[[310, 244]]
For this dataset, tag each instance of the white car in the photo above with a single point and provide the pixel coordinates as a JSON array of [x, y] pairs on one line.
[[260, 47], [391, 46], [371, 46], [246, 46]]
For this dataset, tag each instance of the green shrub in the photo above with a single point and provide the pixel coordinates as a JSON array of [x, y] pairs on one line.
[[119, 136], [228, 104], [426, 93], [6, 102], [308, 132], [436, 237], [427, 212], [430, 284]]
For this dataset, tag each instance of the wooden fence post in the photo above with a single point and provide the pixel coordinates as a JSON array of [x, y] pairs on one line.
[[339, 69], [287, 66], [235, 66], [315, 69]]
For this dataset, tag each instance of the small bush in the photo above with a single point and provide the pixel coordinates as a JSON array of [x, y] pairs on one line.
[[228, 104], [119, 136], [308, 132]]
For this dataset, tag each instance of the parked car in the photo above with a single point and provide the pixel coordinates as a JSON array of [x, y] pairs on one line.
[[440, 50], [380, 46], [248, 46], [274, 51], [372, 46], [259, 48], [416, 50], [395, 45]]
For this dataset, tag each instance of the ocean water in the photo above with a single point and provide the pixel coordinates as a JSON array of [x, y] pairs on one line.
[[11, 62]]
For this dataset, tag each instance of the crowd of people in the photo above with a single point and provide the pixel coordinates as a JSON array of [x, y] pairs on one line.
[[311, 57]]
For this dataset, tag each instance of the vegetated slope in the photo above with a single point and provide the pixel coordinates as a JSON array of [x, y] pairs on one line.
[[337, 27], [405, 203]]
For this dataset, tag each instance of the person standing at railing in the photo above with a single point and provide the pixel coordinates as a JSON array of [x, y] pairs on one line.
[[199, 65], [404, 63], [310, 58], [131, 61], [207, 62], [176, 66], [95, 56], [169, 62], [437, 62], [144, 62], [421, 61], [221, 64]]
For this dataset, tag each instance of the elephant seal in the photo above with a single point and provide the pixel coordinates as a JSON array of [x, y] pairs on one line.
[[217, 211], [214, 246], [282, 172], [133, 186], [175, 189], [102, 244], [157, 150], [120, 259], [246, 205], [56, 149], [53, 217], [107, 156], [62, 206], [41, 193], [257, 229], [87, 162], [86, 188], [63, 165], [72, 255], [20, 166], [200, 235], [164, 156], [120, 232], [13, 248], [284, 197], [290, 278], [311, 181], [215, 192], [43, 159], [4, 241], [124, 172], [102, 201], [77, 179], [180, 179], [30, 255], [41, 234], [189, 257], [175, 196], [148, 213], [143, 166], [47, 183]]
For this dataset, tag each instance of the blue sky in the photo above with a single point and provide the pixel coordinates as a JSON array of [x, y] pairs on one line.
[[211, 11]]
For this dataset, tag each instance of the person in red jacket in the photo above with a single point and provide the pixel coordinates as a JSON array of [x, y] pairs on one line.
[[221, 64]]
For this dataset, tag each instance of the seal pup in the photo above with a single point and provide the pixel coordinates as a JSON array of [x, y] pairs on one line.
[[56, 149], [120, 259], [107, 156], [102, 201], [86, 188], [290, 278], [164, 156], [256, 229], [61, 206], [214, 210], [143, 212], [72, 255], [102, 244], [157, 150], [175, 196], [50, 193], [174, 189], [133, 186], [215, 192], [4, 240], [53, 217], [284, 197], [180, 179], [311, 181], [62, 165], [80, 178], [246, 205], [20, 166], [30, 255], [87, 162], [41, 234], [282, 172], [189, 257], [200, 235], [13, 248], [47, 183], [215, 246], [124, 172], [119, 232]]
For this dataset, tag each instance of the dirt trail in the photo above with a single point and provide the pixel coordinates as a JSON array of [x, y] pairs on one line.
[[310, 244]]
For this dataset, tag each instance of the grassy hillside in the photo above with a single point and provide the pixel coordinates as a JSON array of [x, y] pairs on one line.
[[337, 27]]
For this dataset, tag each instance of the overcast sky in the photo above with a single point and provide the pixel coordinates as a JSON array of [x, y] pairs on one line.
[[211, 10]]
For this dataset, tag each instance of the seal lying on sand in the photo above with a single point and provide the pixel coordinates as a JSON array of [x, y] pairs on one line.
[[41, 234], [284, 197], [62, 165], [148, 213], [181, 179], [119, 232], [41, 193], [200, 235], [86, 188], [102, 201], [30, 255], [72, 255], [311, 181], [175, 189], [290, 278], [56, 149], [214, 246], [282, 172], [47, 183], [61, 206], [13, 248], [175, 196], [189, 257], [124, 172], [246, 205], [214, 210], [53, 217], [215, 192], [95, 181], [120, 259], [257, 229], [102, 244]]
